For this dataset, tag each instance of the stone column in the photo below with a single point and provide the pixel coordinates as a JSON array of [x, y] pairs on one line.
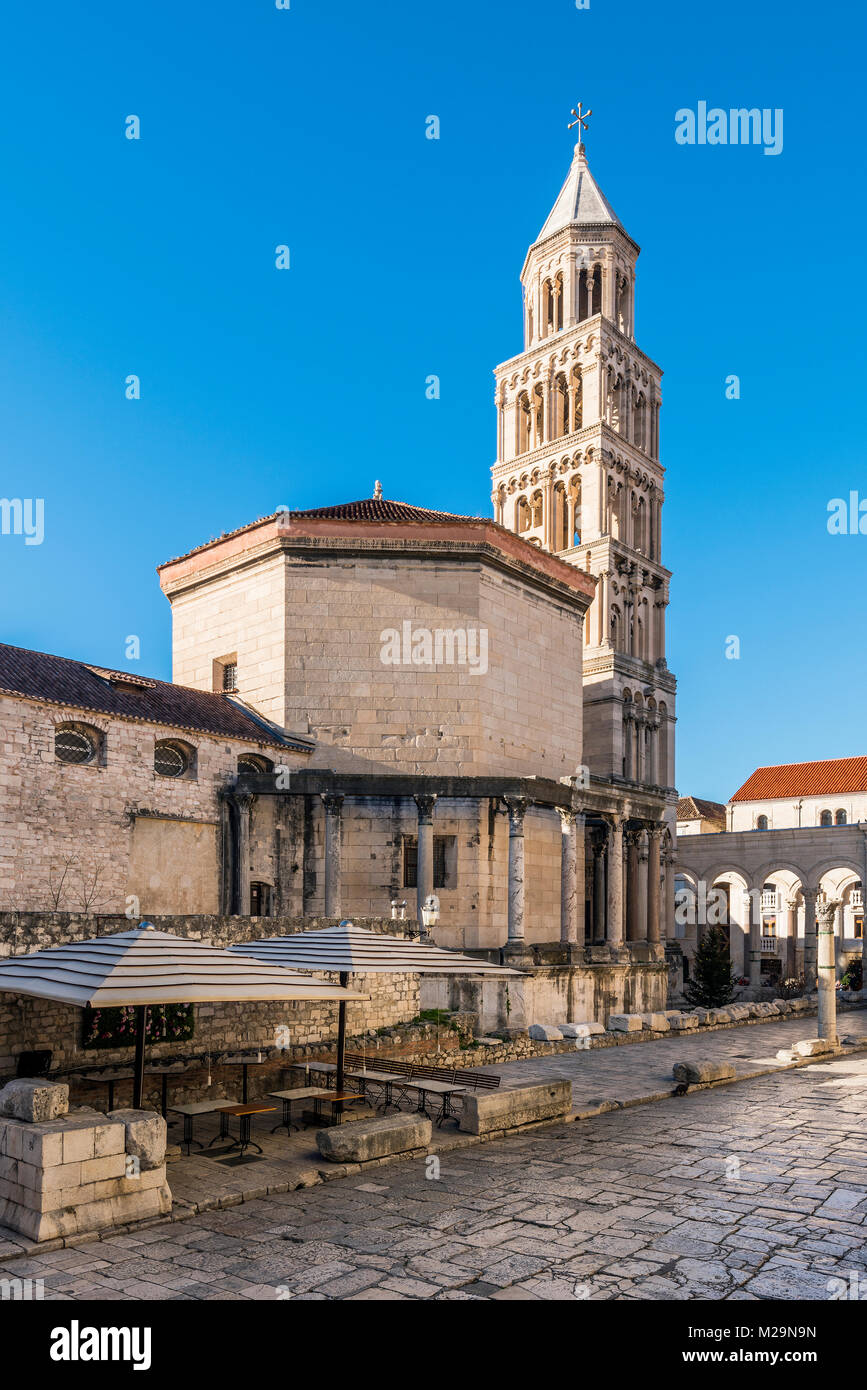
[[333, 803], [827, 972], [572, 878], [669, 924], [517, 806], [633, 896], [810, 943], [245, 808], [614, 933], [654, 835], [424, 861], [792, 939], [598, 892], [754, 922], [628, 769]]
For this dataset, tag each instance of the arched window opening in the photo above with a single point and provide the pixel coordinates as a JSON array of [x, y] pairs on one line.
[[560, 421], [254, 765], [616, 629], [826, 818], [522, 514], [522, 423], [76, 744], [172, 759], [576, 403], [575, 512], [538, 417], [536, 510], [840, 818], [762, 823]]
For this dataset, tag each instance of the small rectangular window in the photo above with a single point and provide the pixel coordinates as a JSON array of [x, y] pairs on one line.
[[225, 674], [859, 928], [444, 861]]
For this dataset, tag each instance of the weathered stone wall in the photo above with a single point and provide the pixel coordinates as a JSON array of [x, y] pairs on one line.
[[550, 994], [87, 837], [311, 658]]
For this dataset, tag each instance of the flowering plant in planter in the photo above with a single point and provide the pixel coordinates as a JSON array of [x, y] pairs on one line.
[[116, 1027]]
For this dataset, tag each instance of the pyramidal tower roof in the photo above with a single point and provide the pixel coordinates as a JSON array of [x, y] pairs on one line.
[[580, 200]]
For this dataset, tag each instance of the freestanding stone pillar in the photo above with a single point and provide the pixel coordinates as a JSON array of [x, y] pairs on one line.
[[572, 878], [755, 927], [424, 861], [333, 804], [517, 806], [827, 969], [792, 938], [615, 881], [654, 836], [810, 944]]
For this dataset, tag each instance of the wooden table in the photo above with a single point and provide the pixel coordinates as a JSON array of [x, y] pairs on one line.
[[198, 1107], [336, 1100], [287, 1097], [245, 1114]]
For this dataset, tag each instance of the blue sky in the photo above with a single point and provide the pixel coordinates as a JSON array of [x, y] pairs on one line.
[[306, 127]]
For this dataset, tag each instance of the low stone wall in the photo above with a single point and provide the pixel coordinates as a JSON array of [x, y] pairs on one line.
[[488, 1112], [77, 1173], [550, 993], [28, 1024]]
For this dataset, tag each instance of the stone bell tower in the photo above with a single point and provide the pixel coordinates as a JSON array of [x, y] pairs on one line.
[[578, 471]]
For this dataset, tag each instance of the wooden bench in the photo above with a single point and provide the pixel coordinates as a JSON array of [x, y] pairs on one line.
[[443, 1081]]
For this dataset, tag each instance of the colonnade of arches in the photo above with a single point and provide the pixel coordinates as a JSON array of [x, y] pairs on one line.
[[550, 410], [771, 916]]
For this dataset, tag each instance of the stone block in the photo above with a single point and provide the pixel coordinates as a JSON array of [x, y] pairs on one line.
[[625, 1023], [78, 1141], [545, 1032], [781, 1006], [812, 1047], [98, 1169], [492, 1110], [716, 1016], [145, 1135], [696, 1072], [109, 1138], [799, 1006], [683, 1023], [656, 1023], [34, 1101], [43, 1147], [358, 1141], [581, 1030]]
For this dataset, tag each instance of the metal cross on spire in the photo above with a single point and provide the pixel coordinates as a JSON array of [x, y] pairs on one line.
[[580, 120]]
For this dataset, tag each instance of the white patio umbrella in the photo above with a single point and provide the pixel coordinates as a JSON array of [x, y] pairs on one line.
[[145, 966], [347, 948]]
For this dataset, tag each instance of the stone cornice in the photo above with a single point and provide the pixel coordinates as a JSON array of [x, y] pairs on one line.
[[474, 541]]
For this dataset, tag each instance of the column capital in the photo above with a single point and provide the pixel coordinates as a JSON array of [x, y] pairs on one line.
[[332, 801], [425, 801], [826, 913], [517, 806]]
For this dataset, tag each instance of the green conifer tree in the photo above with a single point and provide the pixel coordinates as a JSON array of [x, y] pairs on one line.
[[710, 985]]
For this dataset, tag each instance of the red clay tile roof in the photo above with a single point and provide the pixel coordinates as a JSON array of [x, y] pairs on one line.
[[376, 509], [366, 509], [693, 808], [805, 779], [60, 681]]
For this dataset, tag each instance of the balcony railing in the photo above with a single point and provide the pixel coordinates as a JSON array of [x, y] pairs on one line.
[[769, 945], [770, 899]]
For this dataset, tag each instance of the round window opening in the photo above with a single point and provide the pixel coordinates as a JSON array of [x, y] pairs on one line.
[[169, 761], [248, 767], [72, 746]]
